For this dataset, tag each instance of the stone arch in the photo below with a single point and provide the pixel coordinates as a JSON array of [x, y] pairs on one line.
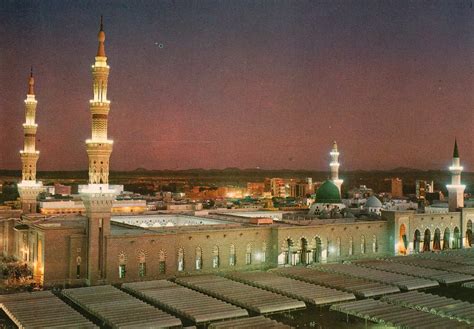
[[402, 240], [318, 249], [457, 238], [122, 257], [446, 238], [437, 239], [305, 252], [427, 240], [469, 236], [416, 241]]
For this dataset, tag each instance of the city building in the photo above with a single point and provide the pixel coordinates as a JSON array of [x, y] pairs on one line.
[[98, 248]]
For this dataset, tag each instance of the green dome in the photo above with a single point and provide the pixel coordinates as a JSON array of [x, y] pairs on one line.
[[328, 193]]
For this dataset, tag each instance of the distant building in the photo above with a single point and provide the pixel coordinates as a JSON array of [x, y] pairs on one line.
[[423, 187], [396, 187]]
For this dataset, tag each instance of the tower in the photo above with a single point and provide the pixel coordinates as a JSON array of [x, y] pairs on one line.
[[334, 165], [456, 189], [98, 196], [29, 188]]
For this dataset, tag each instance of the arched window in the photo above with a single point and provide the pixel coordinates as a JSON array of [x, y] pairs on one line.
[[263, 257], [469, 237], [122, 265], [457, 238], [427, 240], [351, 246], [375, 245], [304, 252], [446, 238], [248, 254], [232, 257], [180, 259], [78, 267], [362, 244], [318, 250], [162, 262], [198, 258], [416, 241], [215, 257], [437, 240], [403, 240], [329, 248], [141, 264], [338, 247], [289, 252]]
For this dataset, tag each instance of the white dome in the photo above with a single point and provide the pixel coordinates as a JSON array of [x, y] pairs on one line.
[[373, 202]]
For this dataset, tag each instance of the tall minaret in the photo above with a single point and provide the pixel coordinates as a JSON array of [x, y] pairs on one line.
[[98, 196], [29, 188], [456, 189], [334, 165]]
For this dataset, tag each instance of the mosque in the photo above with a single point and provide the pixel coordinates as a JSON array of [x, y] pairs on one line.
[[98, 248]]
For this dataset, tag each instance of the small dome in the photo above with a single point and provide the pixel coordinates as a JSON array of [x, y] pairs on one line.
[[373, 202], [328, 193]]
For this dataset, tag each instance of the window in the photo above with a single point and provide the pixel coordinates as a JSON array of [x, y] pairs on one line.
[[180, 260], [248, 254], [375, 245], [215, 257], [362, 244], [263, 258], [232, 258], [122, 271], [162, 262], [198, 258], [141, 264], [78, 267]]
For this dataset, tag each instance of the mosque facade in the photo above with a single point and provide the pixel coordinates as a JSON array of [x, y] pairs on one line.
[[94, 249]]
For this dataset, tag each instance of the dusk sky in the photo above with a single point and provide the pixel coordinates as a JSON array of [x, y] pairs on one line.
[[270, 84]]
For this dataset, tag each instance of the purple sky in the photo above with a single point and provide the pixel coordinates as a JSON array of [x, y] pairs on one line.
[[244, 83]]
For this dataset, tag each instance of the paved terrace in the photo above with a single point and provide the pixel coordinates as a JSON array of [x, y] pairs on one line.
[[251, 323], [442, 306], [41, 309], [395, 316], [404, 282], [114, 307], [252, 298], [360, 287], [307, 292], [190, 304], [443, 277]]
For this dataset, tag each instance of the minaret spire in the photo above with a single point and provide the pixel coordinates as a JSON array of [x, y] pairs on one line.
[[29, 188], [101, 38], [456, 189], [334, 165], [98, 196]]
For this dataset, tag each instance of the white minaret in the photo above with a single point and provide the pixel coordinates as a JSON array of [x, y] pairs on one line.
[[98, 196], [334, 165], [456, 189], [29, 188]]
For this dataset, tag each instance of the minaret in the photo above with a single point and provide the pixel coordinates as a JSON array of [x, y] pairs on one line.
[[456, 189], [334, 165], [29, 188], [98, 196]]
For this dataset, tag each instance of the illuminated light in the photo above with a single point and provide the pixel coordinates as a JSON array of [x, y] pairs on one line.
[[456, 168], [258, 256], [456, 186], [334, 153]]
